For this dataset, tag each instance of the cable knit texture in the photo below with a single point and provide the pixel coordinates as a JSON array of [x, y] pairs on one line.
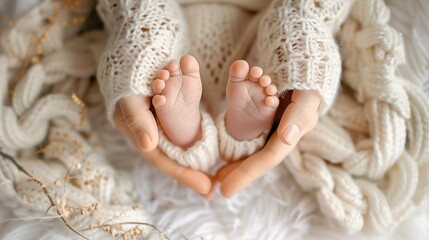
[[48, 131], [376, 174], [201, 155], [144, 36], [231, 149], [299, 49]]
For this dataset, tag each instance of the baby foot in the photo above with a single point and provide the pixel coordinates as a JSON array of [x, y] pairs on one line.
[[177, 99], [252, 102]]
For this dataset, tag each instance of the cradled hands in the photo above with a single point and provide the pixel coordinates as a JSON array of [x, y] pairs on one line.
[[299, 117], [134, 118]]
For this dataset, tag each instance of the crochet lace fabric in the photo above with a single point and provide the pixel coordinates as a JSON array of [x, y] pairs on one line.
[[298, 46], [144, 36], [217, 41]]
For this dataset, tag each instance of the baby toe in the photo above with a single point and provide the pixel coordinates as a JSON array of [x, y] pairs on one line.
[[271, 90], [189, 66], [265, 81], [173, 68], [157, 86], [159, 100], [255, 73], [238, 71], [163, 75], [272, 101]]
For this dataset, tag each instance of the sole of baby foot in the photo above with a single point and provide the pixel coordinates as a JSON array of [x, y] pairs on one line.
[[176, 101], [252, 101]]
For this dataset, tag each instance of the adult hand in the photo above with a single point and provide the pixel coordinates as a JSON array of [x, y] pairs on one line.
[[299, 117], [135, 120]]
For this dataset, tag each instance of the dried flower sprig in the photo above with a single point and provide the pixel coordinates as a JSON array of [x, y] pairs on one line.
[[64, 211], [130, 234], [44, 189]]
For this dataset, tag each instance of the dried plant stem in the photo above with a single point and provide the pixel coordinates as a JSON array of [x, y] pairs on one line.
[[133, 223], [63, 219], [35, 53], [43, 186]]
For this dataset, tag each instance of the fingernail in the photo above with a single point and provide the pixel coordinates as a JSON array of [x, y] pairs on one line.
[[290, 134], [144, 141]]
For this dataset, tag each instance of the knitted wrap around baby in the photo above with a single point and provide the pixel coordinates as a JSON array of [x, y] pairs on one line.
[[85, 189], [367, 160]]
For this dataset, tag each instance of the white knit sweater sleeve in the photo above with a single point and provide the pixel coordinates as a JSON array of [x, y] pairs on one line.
[[202, 155], [298, 45], [231, 149], [144, 36]]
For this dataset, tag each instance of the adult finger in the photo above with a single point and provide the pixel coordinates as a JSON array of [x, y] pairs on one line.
[[133, 113], [224, 171], [254, 166], [212, 193], [300, 116], [194, 179]]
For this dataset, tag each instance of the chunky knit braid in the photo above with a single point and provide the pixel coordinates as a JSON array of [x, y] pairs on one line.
[[86, 190], [368, 160]]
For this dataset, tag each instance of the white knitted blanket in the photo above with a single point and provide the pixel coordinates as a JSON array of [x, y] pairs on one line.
[[274, 207]]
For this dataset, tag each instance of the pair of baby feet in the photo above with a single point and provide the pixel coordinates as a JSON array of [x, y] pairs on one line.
[[251, 97]]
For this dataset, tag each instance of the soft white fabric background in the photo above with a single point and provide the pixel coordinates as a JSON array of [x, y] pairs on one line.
[[13, 9], [272, 208]]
